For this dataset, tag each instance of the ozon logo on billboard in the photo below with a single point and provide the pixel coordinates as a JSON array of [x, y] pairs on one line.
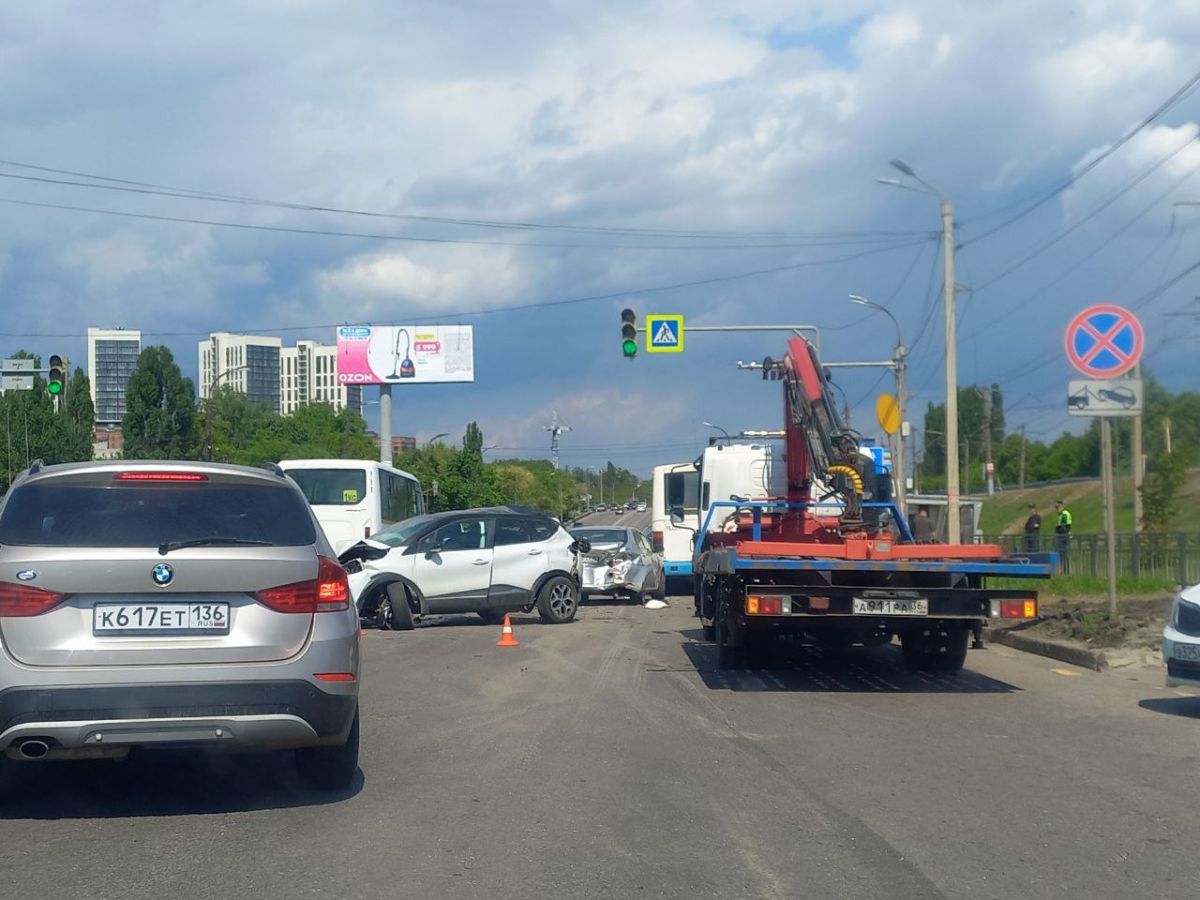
[[405, 354]]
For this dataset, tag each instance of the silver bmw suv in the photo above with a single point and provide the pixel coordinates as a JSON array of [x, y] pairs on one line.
[[176, 604]]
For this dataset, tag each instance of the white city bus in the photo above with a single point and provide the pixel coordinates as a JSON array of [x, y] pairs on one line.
[[354, 498]]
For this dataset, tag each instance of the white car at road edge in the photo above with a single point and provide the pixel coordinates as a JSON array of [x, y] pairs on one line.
[[1181, 640]]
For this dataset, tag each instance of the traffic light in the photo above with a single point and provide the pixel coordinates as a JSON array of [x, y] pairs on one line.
[[629, 333], [56, 378]]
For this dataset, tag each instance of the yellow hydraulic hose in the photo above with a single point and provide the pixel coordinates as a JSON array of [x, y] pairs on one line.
[[855, 478]]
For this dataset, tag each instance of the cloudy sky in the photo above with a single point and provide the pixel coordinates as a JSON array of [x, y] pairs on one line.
[[712, 159]]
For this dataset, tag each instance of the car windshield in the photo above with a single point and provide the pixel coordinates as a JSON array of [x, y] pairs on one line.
[[402, 532], [330, 487], [596, 536], [88, 512]]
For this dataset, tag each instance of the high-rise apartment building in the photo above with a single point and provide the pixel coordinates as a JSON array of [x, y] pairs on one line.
[[112, 357], [308, 374], [281, 378], [248, 363]]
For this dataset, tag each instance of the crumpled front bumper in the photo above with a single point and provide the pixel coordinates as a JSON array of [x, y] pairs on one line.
[[598, 578]]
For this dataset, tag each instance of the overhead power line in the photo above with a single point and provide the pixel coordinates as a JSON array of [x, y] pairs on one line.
[[543, 304], [377, 236], [1181, 94], [152, 189]]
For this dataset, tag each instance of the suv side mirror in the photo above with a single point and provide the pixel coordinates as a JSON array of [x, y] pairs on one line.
[[582, 545]]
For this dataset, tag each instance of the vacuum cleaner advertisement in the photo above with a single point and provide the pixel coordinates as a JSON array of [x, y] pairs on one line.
[[405, 354]]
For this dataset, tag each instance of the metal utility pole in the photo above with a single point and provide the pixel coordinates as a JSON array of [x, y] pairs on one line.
[[988, 465], [1110, 528], [952, 515], [555, 430], [1021, 476], [952, 470], [898, 366], [385, 424], [1137, 465]]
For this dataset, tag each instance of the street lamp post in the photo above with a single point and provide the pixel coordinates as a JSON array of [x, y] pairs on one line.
[[718, 428], [901, 350], [208, 439], [947, 211]]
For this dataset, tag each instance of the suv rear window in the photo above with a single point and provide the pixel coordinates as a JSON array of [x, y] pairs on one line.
[[93, 512]]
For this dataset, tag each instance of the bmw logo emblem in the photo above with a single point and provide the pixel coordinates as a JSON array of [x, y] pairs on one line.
[[162, 574]]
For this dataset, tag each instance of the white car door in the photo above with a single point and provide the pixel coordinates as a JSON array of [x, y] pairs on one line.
[[453, 566], [521, 557]]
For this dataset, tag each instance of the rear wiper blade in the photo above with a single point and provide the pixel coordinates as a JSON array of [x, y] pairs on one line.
[[167, 546]]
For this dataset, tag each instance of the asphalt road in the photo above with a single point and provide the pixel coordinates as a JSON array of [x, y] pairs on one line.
[[610, 758], [630, 519]]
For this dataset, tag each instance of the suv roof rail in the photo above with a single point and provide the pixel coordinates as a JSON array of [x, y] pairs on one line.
[[35, 467], [275, 468]]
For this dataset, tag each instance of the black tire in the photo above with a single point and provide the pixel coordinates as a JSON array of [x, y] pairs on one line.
[[558, 600], [942, 650], [709, 632], [729, 656], [330, 768], [491, 616], [400, 615], [660, 593]]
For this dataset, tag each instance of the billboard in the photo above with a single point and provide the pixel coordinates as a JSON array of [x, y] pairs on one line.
[[405, 354]]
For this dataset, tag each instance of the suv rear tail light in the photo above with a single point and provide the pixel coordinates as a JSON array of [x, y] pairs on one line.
[[159, 476], [328, 592], [21, 601]]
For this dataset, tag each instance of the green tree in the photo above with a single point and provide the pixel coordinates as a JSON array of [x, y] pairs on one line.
[[473, 440], [1160, 492], [160, 417], [78, 418]]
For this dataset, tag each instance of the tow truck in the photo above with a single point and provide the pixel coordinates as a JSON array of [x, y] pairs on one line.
[[833, 562]]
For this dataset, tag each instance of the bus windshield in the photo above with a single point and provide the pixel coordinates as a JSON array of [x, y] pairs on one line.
[[682, 489], [331, 487]]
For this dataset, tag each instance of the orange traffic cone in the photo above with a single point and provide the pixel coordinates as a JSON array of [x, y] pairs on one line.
[[506, 635]]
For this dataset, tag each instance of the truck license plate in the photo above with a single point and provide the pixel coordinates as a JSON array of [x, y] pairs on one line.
[[871, 607], [160, 618]]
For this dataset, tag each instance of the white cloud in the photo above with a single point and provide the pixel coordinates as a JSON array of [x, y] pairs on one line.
[[888, 31], [1099, 63]]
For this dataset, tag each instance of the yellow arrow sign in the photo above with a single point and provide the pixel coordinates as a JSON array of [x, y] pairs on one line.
[[887, 411]]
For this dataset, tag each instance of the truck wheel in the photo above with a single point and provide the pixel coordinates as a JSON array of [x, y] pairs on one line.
[[558, 601], [729, 656], [759, 649], [941, 650], [401, 617], [709, 632]]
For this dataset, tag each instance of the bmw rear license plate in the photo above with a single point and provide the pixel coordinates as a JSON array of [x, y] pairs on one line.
[[160, 618], [870, 606]]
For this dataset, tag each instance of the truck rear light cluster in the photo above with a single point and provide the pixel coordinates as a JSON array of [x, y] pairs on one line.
[[328, 592], [1015, 609], [22, 601], [764, 606]]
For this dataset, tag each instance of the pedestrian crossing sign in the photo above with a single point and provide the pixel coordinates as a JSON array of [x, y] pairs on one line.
[[664, 334]]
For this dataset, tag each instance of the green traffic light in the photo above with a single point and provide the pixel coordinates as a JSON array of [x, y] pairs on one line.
[[629, 347], [54, 387]]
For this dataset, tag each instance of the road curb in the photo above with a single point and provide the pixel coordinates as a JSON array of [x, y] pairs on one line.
[[1096, 660]]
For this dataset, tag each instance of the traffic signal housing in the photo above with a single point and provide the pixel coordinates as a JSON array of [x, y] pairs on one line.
[[629, 333], [56, 377]]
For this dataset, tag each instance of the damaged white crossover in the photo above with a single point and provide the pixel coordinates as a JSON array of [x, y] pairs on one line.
[[621, 564]]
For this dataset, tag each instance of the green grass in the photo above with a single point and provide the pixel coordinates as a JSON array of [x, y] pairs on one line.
[[1005, 513], [1086, 586]]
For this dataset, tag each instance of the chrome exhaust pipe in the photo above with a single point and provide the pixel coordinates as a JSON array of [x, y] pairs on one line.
[[33, 748]]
